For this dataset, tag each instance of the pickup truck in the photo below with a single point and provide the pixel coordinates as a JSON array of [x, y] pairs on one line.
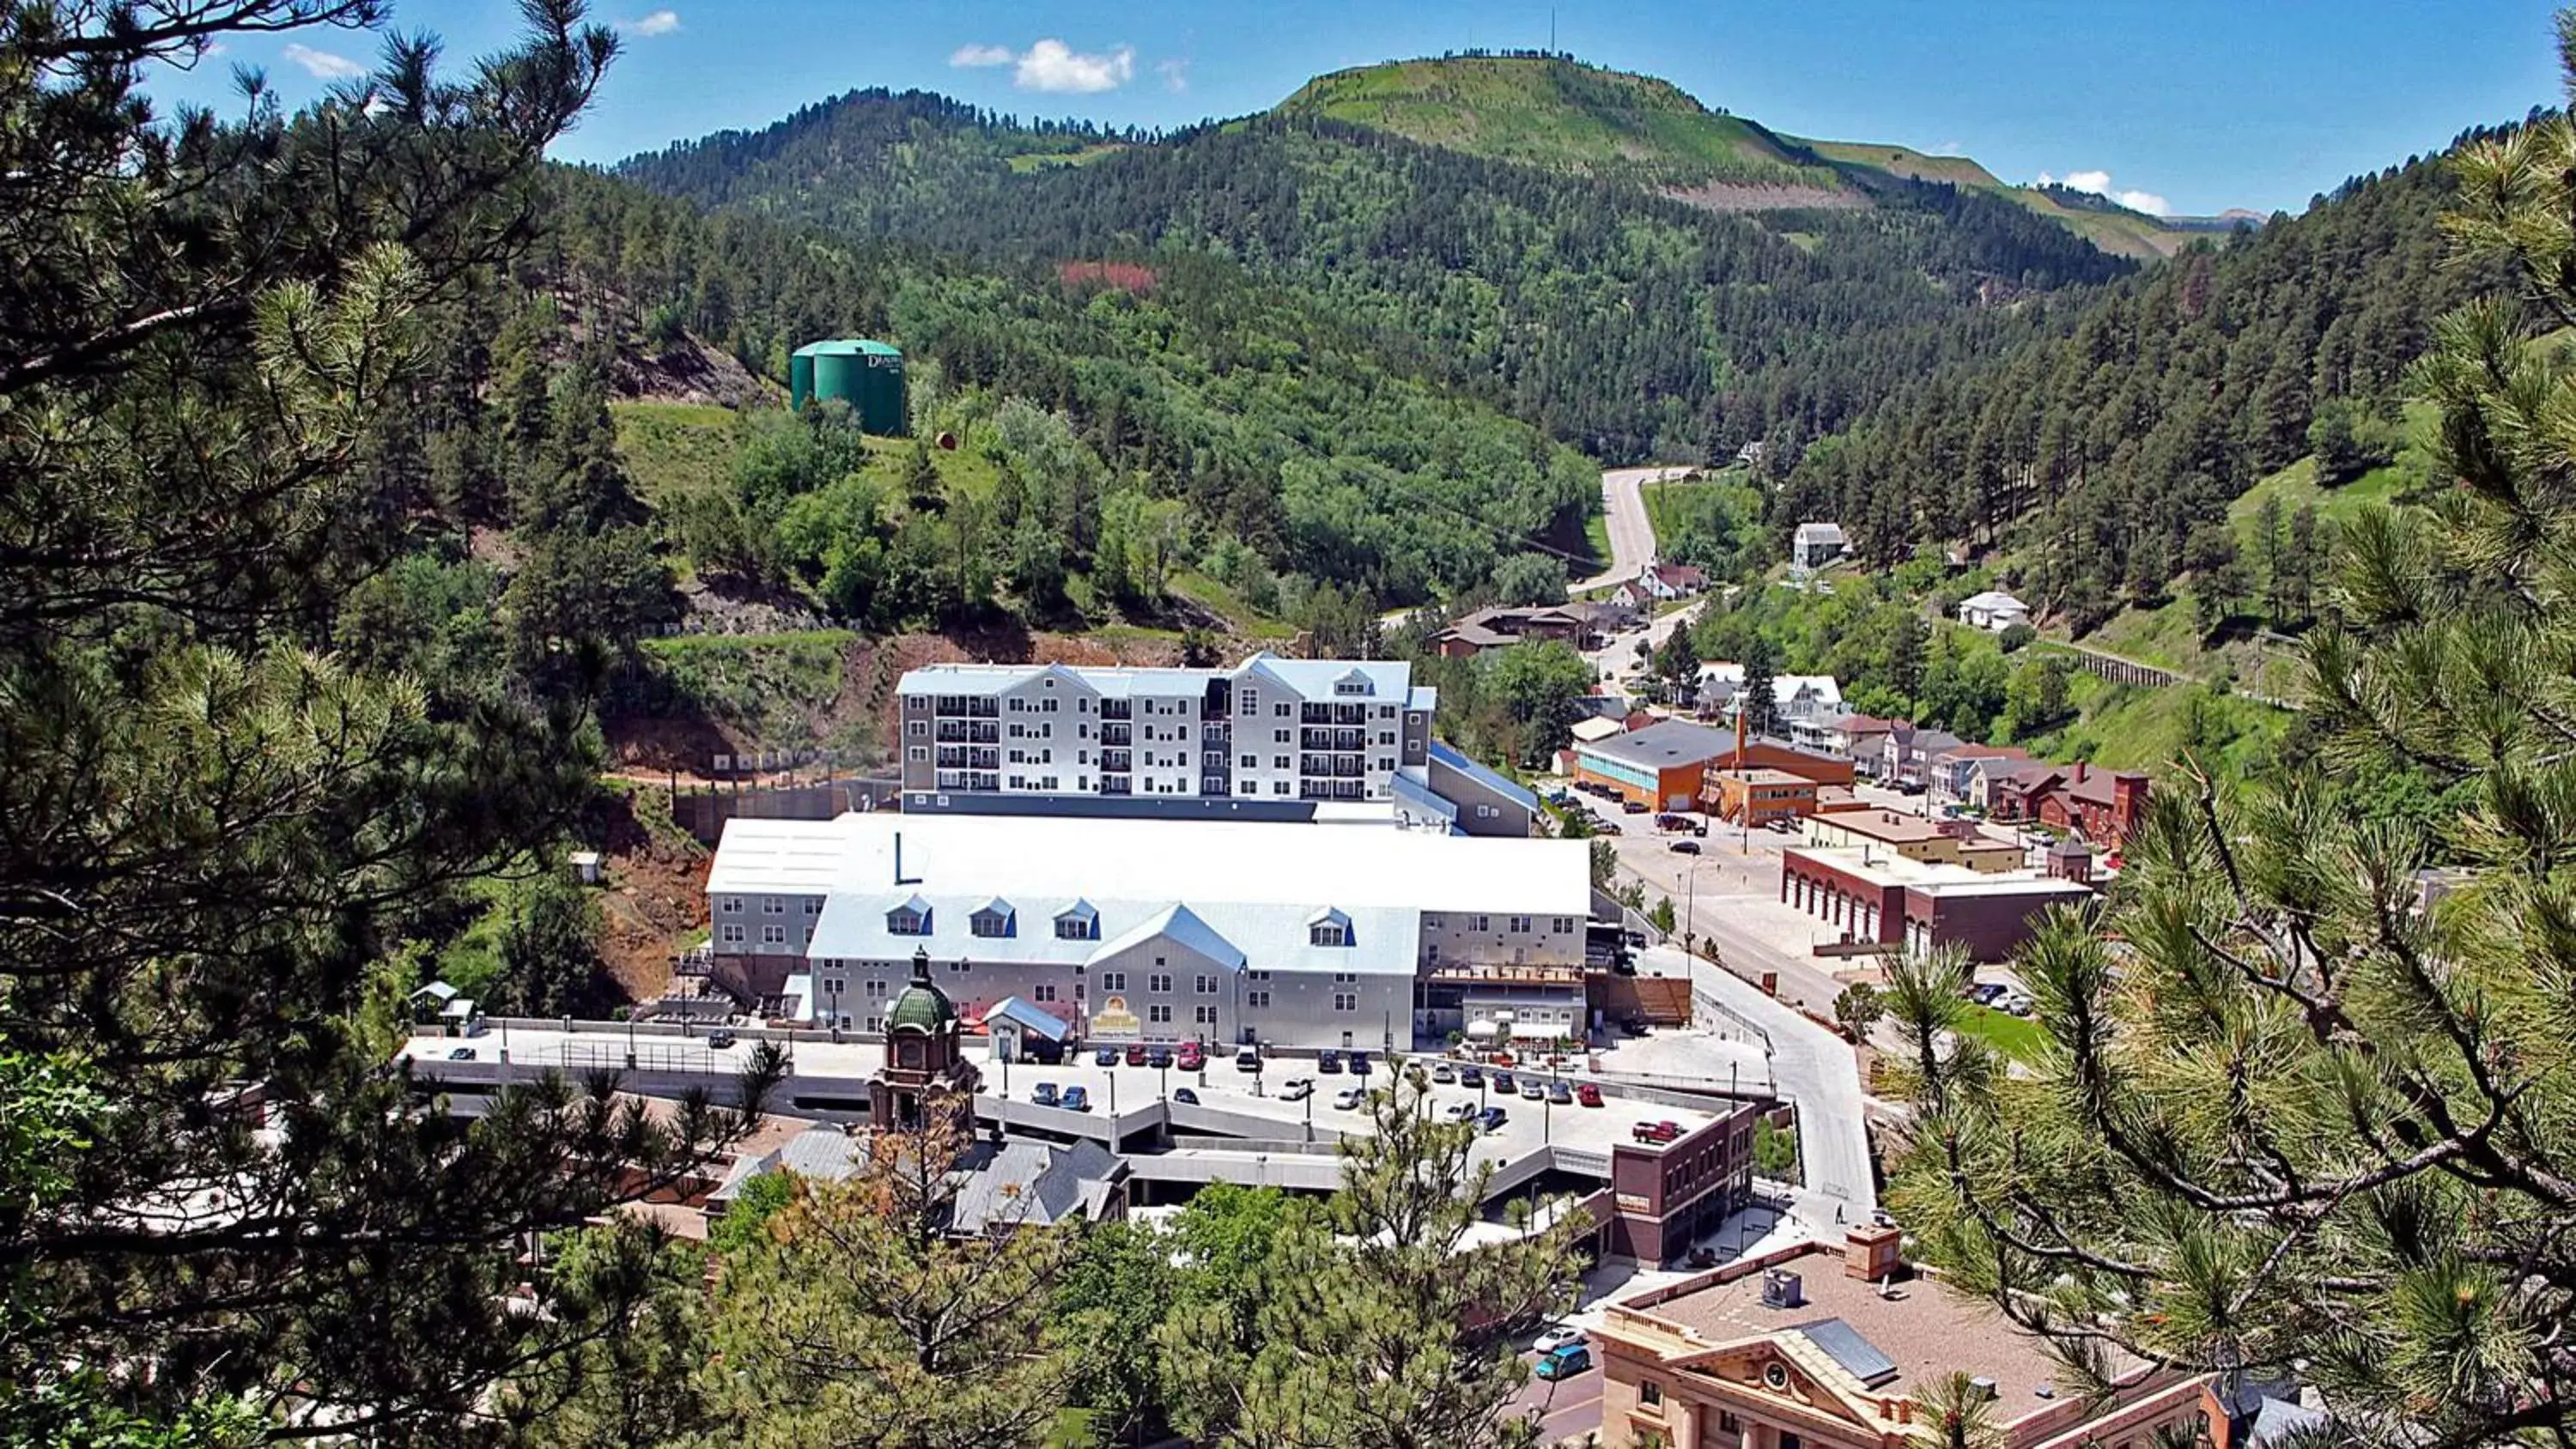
[[1656, 1132]]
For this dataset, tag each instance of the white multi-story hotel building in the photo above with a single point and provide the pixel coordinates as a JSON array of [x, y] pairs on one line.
[[1208, 930], [1273, 737]]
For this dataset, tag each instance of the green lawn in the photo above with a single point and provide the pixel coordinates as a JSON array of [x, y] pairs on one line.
[[1218, 599], [1596, 533], [2014, 1037]]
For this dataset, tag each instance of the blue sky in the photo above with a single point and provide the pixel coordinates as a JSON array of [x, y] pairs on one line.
[[2187, 105]]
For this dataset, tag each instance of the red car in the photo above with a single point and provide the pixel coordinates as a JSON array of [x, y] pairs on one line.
[[1136, 1054], [1191, 1057], [1588, 1094], [1656, 1132]]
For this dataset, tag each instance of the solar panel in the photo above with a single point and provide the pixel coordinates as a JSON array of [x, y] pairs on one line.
[[1843, 1344]]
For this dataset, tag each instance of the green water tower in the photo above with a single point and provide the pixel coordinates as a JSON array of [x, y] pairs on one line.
[[865, 374]]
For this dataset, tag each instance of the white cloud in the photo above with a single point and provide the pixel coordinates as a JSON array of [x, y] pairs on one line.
[[323, 64], [659, 22], [1175, 74], [2099, 183], [1949, 148], [1051, 65], [978, 55]]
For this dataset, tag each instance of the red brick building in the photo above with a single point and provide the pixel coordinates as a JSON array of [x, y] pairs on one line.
[[1872, 896], [1669, 1197], [2106, 805]]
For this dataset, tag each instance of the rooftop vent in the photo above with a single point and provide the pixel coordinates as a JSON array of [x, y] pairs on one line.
[[1782, 1289], [1983, 1386]]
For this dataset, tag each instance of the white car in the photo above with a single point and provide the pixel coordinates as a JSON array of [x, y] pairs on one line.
[[1459, 1111], [1555, 1337], [1349, 1097], [1444, 1074], [1296, 1089]]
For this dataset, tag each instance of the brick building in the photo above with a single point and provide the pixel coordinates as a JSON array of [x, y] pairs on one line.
[[1759, 796], [1916, 905]]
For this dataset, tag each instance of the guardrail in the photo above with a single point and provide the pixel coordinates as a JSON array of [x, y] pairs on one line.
[[1753, 1030]]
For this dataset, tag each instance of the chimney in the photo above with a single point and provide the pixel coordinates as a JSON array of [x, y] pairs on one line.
[[2081, 770]]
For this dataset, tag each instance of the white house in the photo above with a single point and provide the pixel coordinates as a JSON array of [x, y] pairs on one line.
[[1815, 545], [1794, 697], [1994, 611]]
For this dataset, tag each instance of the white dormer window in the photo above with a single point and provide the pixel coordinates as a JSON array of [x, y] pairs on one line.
[[993, 920], [1328, 927], [912, 918]]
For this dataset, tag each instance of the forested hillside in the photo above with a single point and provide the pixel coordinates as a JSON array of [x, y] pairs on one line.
[[1629, 324], [2099, 440]]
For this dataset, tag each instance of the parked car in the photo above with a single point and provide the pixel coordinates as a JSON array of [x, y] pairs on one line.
[[1504, 1084], [1158, 1057], [461, 1054], [1560, 1094], [719, 1040], [1554, 1337], [1043, 1094], [1247, 1059], [1458, 1111], [2019, 1004], [1186, 1097], [1444, 1074], [1656, 1131], [1685, 847], [1136, 1054], [1359, 1064], [1588, 1094], [1105, 1057], [1987, 993], [1077, 1099], [1191, 1058], [1296, 1089], [1632, 807], [1492, 1119], [1329, 1062], [1471, 1075], [1349, 1097], [1534, 1089]]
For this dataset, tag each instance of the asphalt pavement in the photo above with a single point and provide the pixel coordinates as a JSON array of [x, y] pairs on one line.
[[1632, 534]]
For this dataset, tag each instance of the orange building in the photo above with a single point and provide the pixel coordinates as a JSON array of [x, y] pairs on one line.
[[1759, 796], [1666, 765]]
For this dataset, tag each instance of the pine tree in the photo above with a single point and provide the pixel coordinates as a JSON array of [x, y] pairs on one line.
[[1758, 698], [227, 849], [2297, 1117]]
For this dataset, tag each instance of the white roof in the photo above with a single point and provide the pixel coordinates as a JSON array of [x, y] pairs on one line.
[[1389, 681], [1784, 687], [1993, 599], [1821, 532], [1598, 727], [1226, 889]]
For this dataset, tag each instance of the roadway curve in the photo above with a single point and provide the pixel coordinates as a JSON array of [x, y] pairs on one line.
[[1632, 534]]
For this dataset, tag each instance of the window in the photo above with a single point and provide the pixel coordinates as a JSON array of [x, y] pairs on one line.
[[772, 906], [1280, 736], [1113, 980], [908, 921], [1258, 975], [1386, 737], [1279, 710], [1480, 923], [1328, 933], [1043, 991], [1257, 1000], [1076, 928], [729, 934], [1203, 1016], [1206, 985], [1431, 923], [876, 1023], [959, 966], [1159, 983], [876, 988], [1159, 1014], [773, 935], [1565, 925], [1650, 1393], [730, 905], [1346, 978], [1251, 762], [813, 905], [1484, 812], [991, 925], [918, 729], [1279, 763], [918, 753], [1345, 1001], [1728, 1424], [1520, 925]]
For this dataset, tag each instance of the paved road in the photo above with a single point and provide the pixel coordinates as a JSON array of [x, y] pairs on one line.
[[1813, 1067], [1632, 535]]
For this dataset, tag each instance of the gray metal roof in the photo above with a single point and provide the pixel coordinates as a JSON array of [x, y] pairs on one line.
[[1029, 1184], [1484, 775], [1662, 744]]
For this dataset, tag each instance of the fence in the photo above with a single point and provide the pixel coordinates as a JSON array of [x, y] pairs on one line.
[[1706, 1008], [703, 810]]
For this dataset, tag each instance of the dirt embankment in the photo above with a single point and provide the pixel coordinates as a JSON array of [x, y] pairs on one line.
[[1723, 196], [655, 898]]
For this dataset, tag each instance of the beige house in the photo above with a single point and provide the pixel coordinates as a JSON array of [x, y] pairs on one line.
[[1844, 1347]]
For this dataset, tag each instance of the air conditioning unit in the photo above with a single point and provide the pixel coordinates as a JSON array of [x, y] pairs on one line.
[[1782, 1289], [1983, 1387]]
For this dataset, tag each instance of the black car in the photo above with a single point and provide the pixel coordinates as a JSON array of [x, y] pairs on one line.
[[1160, 1056], [1685, 847], [1186, 1097], [1471, 1076], [1105, 1057], [719, 1040], [1328, 1061], [1359, 1064], [461, 1054]]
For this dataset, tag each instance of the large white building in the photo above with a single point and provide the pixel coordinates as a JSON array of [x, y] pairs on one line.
[[1217, 931], [1276, 733]]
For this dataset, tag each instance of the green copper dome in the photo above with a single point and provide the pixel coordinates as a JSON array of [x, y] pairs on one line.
[[922, 1006]]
